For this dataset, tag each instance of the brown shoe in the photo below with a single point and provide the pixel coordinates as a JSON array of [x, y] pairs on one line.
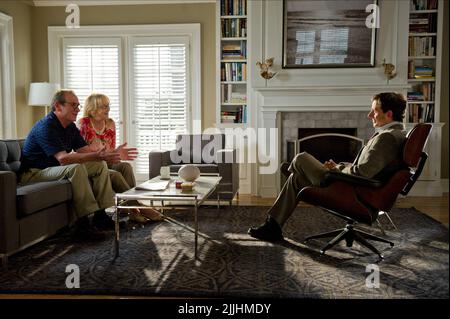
[[137, 217], [151, 214]]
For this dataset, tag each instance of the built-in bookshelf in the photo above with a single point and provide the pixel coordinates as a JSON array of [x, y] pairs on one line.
[[424, 78], [232, 64], [424, 43]]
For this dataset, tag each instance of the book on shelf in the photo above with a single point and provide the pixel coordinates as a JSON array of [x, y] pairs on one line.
[[234, 28], [236, 97], [228, 96], [233, 7], [234, 51], [417, 5], [233, 71], [423, 72], [422, 23], [237, 116], [423, 77], [421, 46], [422, 92], [429, 113], [419, 113], [415, 96]]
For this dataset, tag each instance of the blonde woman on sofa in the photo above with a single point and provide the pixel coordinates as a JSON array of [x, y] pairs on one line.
[[99, 132]]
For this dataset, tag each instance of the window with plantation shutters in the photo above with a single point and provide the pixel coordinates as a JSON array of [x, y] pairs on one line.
[[93, 65], [158, 94], [151, 73]]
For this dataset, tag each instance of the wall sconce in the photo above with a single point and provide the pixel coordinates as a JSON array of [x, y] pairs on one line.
[[264, 69], [389, 70]]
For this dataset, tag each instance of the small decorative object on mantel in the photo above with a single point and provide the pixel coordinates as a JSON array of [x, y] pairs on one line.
[[189, 172], [389, 70], [264, 69]]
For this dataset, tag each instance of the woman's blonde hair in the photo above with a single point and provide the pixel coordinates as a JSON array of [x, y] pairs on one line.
[[93, 102]]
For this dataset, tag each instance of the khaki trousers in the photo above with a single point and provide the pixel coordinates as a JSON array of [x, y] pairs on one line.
[[305, 170], [122, 177], [91, 185]]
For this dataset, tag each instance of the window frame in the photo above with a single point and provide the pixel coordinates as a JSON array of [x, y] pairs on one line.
[[156, 40], [8, 124]]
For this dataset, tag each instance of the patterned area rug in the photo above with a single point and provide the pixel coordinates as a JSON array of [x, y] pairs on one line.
[[158, 260]]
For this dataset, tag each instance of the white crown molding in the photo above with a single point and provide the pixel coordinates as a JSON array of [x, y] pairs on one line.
[[63, 3]]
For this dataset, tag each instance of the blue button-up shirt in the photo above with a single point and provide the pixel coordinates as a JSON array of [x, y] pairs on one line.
[[47, 138]]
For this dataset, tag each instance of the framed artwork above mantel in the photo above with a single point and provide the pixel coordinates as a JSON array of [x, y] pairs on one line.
[[329, 33]]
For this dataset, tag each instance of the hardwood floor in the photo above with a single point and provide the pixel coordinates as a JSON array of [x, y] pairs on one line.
[[435, 207]]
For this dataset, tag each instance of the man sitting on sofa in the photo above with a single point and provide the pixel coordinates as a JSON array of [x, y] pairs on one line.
[[381, 156], [55, 150]]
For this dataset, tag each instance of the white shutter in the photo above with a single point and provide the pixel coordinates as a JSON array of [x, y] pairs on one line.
[[158, 94], [93, 65]]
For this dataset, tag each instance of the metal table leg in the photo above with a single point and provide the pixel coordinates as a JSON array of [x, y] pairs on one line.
[[218, 201], [196, 227], [116, 230]]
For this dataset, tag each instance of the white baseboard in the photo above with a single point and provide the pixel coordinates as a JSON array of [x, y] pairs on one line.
[[268, 192], [245, 188], [428, 189], [420, 189]]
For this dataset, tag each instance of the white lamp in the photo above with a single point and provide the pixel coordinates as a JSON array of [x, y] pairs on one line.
[[41, 94]]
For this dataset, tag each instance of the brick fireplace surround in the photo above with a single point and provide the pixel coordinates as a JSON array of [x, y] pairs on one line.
[[292, 121]]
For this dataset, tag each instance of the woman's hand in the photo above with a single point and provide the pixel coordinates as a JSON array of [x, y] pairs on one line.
[[127, 153], [109, 156]]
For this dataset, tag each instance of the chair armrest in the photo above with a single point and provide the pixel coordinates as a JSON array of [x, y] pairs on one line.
[[9, 225], [157, 159], [351, 179]]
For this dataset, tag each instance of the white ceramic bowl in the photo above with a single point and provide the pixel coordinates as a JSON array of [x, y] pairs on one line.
[[189, 172]]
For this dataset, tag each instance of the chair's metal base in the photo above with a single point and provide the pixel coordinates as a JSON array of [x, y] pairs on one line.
[[350, 234], [389, 219]]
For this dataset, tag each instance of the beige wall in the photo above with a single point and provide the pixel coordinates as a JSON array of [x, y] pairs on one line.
[[143, 14], [21, 14], [444, 93]]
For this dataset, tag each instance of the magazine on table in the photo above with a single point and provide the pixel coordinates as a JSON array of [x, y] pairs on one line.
[[153, 185]]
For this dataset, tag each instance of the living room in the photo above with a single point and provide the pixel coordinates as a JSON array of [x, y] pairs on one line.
[[261, 114]]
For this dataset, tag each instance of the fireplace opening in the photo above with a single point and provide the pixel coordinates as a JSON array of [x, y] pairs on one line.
[[339, 144]]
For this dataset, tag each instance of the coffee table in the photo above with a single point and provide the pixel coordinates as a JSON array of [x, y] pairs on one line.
[[204, 187]]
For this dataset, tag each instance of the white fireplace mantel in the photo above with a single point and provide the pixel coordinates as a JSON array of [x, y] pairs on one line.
[[320, 99]]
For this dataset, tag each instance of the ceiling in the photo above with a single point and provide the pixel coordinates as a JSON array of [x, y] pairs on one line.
[[52, 3]]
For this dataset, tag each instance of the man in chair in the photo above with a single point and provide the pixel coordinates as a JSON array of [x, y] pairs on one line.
[[378, 159]]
